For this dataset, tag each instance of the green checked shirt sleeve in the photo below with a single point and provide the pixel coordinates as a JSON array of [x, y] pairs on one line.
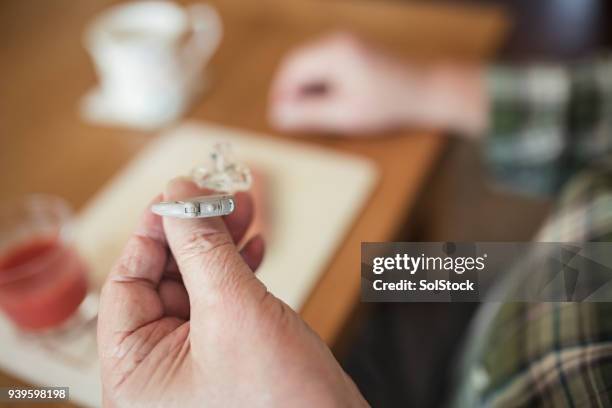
[[549, 125], [547, 122], [547, 354]]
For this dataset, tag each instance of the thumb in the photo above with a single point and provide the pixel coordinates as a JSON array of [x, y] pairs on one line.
[[204, 250]]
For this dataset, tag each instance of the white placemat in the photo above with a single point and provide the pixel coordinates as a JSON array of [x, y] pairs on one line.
[[312, 194]]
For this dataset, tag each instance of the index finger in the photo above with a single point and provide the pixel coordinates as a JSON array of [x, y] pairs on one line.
[[129, 298]]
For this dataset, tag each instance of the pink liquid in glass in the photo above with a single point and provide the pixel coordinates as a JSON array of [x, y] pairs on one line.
[[42, 282]]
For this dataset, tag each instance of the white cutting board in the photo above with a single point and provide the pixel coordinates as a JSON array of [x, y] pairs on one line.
[[313, 195]]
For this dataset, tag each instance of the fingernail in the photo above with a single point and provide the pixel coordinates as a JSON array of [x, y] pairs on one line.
[[179, 179], [178, 184]]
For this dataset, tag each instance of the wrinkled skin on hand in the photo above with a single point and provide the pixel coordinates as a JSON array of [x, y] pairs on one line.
[[185, 322]]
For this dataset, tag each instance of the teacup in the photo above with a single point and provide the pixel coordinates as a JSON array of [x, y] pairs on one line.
[[149, 57]]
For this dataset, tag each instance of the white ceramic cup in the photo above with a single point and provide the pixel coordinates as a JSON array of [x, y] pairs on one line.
[[149, 56]]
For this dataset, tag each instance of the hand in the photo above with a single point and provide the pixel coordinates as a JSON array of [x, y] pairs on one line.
[[340, 85], [185, 322]]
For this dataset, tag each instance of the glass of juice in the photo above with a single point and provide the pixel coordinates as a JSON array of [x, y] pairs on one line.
[[43, 281]]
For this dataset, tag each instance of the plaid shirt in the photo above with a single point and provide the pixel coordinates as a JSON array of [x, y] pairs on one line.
[[548, 122], [551, 131]]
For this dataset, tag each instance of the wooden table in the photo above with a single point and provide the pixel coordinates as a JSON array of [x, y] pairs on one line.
[[45, 147]]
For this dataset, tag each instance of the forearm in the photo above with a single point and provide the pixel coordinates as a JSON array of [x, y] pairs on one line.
[[461, 98], [447, 96]]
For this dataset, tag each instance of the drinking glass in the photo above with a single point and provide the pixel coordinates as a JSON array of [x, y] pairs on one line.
[[43, 281]]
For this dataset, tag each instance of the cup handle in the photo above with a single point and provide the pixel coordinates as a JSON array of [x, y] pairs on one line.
[[207, 31]]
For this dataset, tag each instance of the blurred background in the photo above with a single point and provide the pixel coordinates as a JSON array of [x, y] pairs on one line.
[[423, 187]]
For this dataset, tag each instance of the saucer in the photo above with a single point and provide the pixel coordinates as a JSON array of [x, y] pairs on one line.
[[95, 108]]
